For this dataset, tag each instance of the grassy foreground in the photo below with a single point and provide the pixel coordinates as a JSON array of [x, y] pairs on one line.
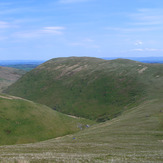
[[135, 136], [23, 121]]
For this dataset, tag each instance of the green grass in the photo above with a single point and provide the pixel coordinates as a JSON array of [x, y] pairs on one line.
[[25, 121], [89, 87], [134, 136]]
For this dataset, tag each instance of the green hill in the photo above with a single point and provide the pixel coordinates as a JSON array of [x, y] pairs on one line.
[[24, 121], [8, 76], [90, 87], [135, 136]]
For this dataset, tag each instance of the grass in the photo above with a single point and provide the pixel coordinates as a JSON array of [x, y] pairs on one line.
[[134, 136], [24, 121]]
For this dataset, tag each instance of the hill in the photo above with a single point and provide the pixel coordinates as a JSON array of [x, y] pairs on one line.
[[24, 121], [142, 59], [90, 87], [134, 136], [9, 76]]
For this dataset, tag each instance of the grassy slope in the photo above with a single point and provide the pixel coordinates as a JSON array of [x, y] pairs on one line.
[[135, 136], [24, 121], [90, 87], [8, 76]]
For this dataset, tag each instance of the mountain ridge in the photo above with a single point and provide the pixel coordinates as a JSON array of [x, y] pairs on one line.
[[89, 87]]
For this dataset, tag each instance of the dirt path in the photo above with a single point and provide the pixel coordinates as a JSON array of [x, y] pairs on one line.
[[73, 116], [9, 97]]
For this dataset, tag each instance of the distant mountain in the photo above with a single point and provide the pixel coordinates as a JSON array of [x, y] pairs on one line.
[[90, 87], [9, 76], [141, 59], [25, 65], [13, 62]]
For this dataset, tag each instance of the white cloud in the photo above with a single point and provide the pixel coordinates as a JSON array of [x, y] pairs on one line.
[[148, 17], [139, 50], [77, 44], [143, 20], [88, 40], [28, 34], [152, 49], [94, 46], [4, 4], [147, 50], [4, 24], [87, 43], [71, 1], [132, 29], [138, 43], [54, 30], [2, 38]]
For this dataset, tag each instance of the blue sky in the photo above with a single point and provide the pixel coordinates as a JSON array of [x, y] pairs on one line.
[[45, 29]]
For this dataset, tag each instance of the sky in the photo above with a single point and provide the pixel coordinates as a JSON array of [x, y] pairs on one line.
[[45, 29]]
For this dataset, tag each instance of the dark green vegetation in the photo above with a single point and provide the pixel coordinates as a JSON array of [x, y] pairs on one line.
[[8, 76], [90, 87], [23, 121]]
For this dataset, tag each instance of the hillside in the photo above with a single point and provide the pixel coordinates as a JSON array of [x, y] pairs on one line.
[[135, 136], [9, 76], [24, 121], [90, 87]]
